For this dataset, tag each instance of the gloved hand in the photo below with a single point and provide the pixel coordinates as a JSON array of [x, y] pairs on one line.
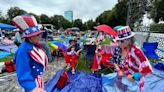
[[136, 76]]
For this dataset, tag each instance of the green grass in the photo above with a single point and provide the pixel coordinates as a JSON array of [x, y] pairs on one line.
[[6, 58], [106, 41], [83, 65]]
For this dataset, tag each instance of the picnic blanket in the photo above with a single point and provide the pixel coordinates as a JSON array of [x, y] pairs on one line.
[[89, 82], [4, 54], [152, 83], [80, 82], [8, 48], [60, 45]]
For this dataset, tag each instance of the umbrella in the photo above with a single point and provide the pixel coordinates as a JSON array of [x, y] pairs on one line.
[[60, 45], [117, 27], [106, 29], [7, 26]]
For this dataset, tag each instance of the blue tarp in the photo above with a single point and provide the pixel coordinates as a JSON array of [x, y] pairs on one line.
[[9, 48], [89, 82], [80, 82], [7, 26], [152, 83], [4, 54]]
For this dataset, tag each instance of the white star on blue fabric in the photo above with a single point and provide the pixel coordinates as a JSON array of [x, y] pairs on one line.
[[34, 29], [27, 32]]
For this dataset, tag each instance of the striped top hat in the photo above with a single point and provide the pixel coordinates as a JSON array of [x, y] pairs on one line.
[[27, 24], [124, 33]]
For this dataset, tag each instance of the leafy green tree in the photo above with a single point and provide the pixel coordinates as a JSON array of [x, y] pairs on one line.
[[14, 11], [60, 22], [116, 16], [78, 23], [84, 27], [157, 11], [120, 12], [90, 24], [44, 19], [1, 17]]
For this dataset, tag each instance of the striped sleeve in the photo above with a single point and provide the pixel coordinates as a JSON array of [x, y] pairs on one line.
[[144, 66]]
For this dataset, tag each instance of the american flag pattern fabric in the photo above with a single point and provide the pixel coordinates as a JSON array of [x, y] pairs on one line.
[[25, 21], [27, 24], [39, 56], [39, 81], [135, 61], [124, 33]]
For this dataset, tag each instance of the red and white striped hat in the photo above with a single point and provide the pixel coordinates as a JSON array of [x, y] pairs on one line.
[[124, 33], [27, 24]]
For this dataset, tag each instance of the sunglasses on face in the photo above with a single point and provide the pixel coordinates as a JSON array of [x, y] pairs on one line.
[[121, 41]]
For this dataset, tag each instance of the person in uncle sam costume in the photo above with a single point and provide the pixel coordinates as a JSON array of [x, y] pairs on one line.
[[129, 60], [30, 59]]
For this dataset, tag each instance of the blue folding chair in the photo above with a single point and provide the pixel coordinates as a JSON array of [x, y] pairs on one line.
[[149, 49]]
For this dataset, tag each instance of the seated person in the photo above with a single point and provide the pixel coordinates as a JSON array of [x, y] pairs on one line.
[[100, 36], [6, 40], [72, 55], [100, 58], [129, 60]]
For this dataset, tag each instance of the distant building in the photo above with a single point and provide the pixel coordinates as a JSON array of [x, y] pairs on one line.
[[68, 15]]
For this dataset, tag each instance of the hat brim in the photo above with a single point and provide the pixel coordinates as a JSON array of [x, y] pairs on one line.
[[33, 34], [117, 38]]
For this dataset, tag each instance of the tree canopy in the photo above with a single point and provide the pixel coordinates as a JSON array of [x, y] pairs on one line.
[[120, 14]]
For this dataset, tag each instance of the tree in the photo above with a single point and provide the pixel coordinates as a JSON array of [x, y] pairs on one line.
[[157, 11], [103, 18], [44, 19], [120, 12], [136, 10], [116, 16], [90, 24], [15, 11], [60, 22], [1, 17], [78, 23], [84, 27]]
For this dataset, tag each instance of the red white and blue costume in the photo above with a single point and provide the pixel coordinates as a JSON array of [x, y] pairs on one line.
[[30, 59], [135, 61]]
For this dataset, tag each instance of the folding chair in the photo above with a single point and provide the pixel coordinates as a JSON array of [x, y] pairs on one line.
[[108, 51], [90, 52], [149, 49]]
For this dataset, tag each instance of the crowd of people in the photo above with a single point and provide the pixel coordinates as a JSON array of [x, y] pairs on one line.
[[33, 54]]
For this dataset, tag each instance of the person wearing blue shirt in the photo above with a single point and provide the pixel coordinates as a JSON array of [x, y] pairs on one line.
[[30, 59]]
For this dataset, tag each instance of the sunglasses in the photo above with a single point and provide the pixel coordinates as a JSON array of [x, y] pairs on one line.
[[122, 41]]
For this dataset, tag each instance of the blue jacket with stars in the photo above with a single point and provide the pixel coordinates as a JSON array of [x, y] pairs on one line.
[[26, 67]]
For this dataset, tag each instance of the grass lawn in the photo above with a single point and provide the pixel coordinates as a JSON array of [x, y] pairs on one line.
[[84, 65], [8, 58]]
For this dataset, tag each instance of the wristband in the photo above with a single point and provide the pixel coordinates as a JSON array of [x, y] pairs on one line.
[[136, 76]]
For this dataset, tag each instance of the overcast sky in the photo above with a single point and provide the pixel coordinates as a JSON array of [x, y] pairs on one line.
[[83, 9]]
